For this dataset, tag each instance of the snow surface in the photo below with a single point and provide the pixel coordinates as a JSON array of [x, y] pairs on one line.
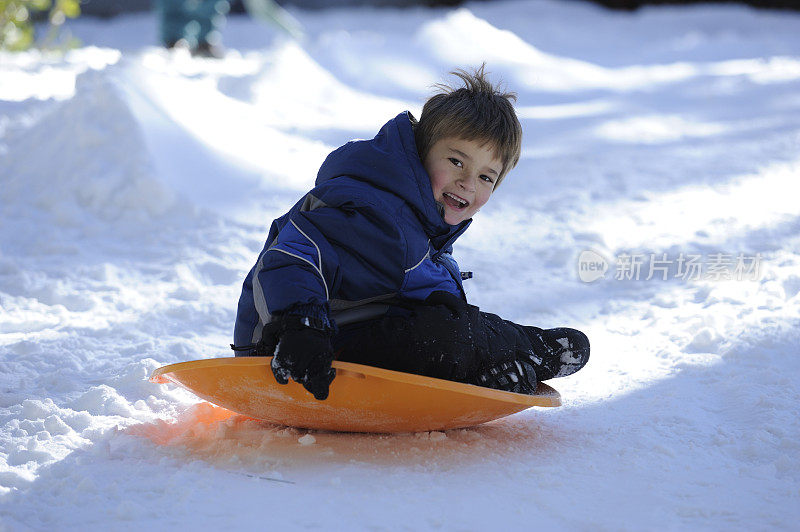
[[136, 188]]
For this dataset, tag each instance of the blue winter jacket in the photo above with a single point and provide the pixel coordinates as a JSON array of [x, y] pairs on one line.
[[369, 232]]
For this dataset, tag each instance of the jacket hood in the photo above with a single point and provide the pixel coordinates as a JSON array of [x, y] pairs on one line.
[[390, 162]]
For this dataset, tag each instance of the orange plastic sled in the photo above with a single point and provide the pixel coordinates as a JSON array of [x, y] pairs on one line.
[[362, 398]]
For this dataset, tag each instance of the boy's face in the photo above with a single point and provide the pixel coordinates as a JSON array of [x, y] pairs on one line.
[[463, 174]]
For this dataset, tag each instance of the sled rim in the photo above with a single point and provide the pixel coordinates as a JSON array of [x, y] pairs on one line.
[[545, 395]]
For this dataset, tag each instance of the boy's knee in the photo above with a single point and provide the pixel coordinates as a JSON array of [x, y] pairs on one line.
[[446, 341]]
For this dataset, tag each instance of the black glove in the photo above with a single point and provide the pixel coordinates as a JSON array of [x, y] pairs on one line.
[[456, 305], [304, 354]]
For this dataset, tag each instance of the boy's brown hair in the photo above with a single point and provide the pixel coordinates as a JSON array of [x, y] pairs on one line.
[[477, 111]]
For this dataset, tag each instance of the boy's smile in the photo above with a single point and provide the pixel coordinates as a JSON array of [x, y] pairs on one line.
[[463, 174]]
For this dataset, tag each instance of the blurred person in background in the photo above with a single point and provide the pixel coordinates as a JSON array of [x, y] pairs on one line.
[[193, 24]]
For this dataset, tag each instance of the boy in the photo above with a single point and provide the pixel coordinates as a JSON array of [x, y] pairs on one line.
[[361, 267]]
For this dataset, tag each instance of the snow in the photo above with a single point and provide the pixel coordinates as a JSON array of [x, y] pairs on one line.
[[136, 188]]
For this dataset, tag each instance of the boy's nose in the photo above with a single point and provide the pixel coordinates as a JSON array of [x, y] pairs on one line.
[[468, 184]]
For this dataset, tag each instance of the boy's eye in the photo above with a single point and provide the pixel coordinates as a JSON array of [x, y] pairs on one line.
[[456, 162], [487, 178]]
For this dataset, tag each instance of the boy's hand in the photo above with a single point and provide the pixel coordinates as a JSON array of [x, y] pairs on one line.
[[304, 354], [454, 304]]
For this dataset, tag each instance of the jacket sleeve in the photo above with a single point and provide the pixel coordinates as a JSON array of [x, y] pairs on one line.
[[298, 271]]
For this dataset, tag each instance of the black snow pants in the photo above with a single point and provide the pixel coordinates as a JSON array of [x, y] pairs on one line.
[[457, 342]]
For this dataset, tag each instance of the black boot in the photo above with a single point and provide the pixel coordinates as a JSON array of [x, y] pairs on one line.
[[516, 376], [556, 352]]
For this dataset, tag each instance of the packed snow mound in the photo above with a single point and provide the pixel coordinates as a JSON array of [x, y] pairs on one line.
[[103, 170], [319, 100], [462, 36]]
